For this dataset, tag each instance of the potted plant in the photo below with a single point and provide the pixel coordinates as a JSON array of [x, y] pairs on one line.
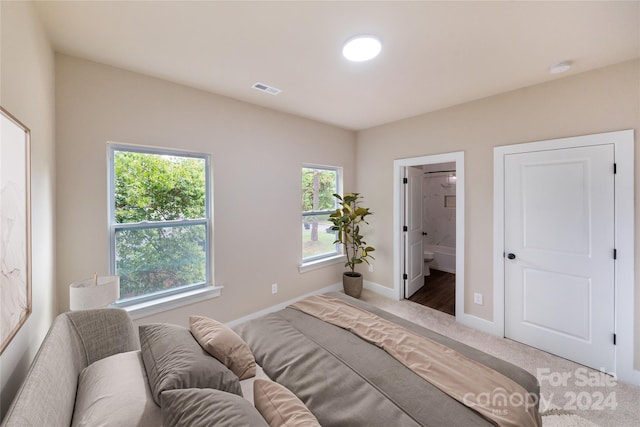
[[346, 222]]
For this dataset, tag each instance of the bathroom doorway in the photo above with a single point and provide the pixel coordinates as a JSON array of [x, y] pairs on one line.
[[438, 229], [438, 237], [430, 215]]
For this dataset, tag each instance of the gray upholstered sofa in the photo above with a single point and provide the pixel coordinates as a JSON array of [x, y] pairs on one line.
[[75, 340]]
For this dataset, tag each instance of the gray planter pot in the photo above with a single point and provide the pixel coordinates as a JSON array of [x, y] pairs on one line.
[[352, 283]]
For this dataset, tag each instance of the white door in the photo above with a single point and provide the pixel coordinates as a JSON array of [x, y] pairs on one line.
[[559, 252], [414, 255]]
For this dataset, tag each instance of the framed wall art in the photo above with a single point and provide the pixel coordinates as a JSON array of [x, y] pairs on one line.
[[15, 226]]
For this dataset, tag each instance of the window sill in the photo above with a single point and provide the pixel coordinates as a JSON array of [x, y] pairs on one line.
[[321, 263], [148, 308]]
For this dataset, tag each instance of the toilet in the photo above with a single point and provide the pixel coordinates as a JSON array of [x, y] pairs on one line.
[[428, 257]]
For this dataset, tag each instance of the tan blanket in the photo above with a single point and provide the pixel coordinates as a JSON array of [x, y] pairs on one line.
[[493, 395]]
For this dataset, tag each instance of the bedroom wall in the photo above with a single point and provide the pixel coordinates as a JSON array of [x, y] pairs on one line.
[[257, 155], [27, 92], [599, 101]]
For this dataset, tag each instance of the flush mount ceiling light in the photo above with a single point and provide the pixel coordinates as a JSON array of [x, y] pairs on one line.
[[560, 67], [361, 48]]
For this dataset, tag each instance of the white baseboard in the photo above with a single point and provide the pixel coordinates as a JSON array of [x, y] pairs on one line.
[[332, 288], [382, 290], [374, 287], [478, 323]]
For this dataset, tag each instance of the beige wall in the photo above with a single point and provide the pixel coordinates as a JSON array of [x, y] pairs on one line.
[[604, 100], [257, 155], [27, 91]]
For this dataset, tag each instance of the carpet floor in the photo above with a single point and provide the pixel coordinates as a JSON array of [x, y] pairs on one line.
[[571, 395]]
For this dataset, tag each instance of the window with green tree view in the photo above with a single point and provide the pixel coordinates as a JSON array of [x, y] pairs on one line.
[[160, 221], [319, 183]]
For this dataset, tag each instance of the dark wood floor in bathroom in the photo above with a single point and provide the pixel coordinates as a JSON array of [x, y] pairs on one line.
[[438, 292]]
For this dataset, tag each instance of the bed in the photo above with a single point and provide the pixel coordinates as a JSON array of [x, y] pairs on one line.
[[346, 379]]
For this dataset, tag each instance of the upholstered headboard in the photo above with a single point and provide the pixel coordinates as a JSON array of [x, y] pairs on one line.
[[75, 340]]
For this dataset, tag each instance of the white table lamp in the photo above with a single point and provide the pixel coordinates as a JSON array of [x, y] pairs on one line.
[[94, 293]]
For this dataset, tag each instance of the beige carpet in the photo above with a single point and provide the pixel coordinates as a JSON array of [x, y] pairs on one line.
[[565, 419], [572, 395]]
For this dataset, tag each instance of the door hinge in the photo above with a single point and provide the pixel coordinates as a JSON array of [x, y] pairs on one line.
[[615, 254], [405, 180], [615, 168], [614, 339], [405, 228], [404, 276]]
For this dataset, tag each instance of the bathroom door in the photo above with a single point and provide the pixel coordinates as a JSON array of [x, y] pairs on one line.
[[413, 250], [559, 252]]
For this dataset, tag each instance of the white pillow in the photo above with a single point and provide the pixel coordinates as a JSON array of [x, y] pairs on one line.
[[114, 391]]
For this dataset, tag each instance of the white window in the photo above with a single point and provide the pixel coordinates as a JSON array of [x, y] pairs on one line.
[[319, 183], [159, 222]]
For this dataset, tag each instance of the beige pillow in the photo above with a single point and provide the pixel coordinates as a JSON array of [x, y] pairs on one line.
[[280, 407], [225, 345]]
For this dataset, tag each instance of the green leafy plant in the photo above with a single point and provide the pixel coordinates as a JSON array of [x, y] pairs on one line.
[[346, 222]]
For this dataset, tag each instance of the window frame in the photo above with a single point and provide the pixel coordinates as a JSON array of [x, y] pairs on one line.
[[113, 226], [337, 254]]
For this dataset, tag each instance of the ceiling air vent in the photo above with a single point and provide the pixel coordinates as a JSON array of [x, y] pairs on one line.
[[266, 88]]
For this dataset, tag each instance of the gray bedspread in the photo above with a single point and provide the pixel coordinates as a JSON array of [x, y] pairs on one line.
[[346, 381]]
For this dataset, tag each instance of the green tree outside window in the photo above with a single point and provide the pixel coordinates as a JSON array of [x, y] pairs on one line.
[[160, 222], [318, 186]]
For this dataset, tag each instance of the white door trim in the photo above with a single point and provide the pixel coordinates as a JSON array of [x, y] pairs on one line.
[[624, 237], [398, 211]]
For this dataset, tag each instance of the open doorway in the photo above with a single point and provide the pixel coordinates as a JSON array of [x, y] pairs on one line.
[[438, 237], [429, 247]]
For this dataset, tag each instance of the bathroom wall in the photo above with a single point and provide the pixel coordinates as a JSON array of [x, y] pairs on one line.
[[439, 213]]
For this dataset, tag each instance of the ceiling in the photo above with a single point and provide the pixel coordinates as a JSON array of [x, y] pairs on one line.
[[435, 53]]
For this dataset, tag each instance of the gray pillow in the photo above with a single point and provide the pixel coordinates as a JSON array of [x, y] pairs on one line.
[[173, 359], [206, 407]]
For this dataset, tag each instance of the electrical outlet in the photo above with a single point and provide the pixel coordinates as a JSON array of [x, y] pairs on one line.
[[274, 288], [370, 268], [477, 298]]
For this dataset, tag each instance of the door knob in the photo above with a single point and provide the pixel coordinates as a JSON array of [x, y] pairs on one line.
[[511, 256]]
